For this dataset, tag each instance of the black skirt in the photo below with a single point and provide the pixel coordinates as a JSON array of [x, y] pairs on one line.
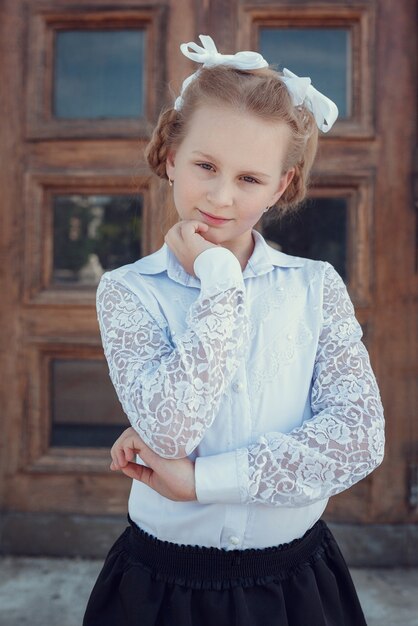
[[148, 582]]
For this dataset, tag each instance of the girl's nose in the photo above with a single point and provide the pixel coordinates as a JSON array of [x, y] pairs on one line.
[[221, 193]]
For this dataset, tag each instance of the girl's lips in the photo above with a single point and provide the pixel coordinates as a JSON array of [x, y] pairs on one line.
[[214, 220]]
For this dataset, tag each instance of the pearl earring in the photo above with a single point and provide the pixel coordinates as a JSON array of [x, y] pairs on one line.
[[170, 182]]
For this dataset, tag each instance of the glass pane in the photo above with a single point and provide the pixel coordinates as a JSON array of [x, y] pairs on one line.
[[99, 74], [317, 231], [93, 234], [85, 409], [321, 53]]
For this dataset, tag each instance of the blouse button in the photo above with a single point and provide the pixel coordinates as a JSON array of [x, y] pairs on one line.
[[237, 387], [234, 540]]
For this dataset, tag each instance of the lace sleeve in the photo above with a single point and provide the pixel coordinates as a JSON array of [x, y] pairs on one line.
[[344, 440], [171, 393]]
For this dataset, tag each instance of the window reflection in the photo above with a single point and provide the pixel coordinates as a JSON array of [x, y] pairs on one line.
[[99, 74], [321, 53], [81, 418], [94, 234], [316, 231]]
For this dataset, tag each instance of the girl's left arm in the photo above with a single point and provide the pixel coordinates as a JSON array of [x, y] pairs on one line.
[[341, 444]]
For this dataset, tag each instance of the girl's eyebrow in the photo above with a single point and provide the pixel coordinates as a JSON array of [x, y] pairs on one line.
[[211, 158]]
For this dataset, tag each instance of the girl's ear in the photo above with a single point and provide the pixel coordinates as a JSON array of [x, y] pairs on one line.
[[170, 164], [285, 181]]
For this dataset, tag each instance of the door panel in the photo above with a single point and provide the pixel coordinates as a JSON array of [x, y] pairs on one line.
[[84, 87]]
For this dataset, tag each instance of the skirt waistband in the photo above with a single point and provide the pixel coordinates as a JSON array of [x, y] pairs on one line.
[[173, 561]]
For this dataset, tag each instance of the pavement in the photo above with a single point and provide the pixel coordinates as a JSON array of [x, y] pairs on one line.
[[54, 592]]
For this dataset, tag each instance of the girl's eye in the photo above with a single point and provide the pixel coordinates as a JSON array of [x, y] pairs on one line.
[[205, 166], [208, 167]]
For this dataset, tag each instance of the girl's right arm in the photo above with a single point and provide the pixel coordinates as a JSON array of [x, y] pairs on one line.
[[171, 393]]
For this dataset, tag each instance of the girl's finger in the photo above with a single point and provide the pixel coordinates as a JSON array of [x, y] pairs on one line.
[[173, 234], [150, 457], [191, 227], [120, 456], [114, 462], [138, 472], [114, 458], [128, 452], [113, 452]]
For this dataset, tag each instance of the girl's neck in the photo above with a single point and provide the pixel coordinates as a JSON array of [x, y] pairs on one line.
[[243, 252]]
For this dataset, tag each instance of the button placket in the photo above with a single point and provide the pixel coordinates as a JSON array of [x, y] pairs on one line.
[[235, 520]]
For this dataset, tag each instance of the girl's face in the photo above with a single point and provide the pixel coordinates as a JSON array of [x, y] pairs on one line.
[[229, 166]]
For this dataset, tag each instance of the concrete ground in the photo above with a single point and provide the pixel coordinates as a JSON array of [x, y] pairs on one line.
[[54, 592]]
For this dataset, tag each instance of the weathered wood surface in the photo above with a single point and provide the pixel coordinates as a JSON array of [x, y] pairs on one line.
[[370, 157]]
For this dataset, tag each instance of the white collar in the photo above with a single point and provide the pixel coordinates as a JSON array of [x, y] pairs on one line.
[[263, 259]]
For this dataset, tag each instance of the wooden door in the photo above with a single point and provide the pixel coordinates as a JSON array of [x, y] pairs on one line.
[[84, 84]]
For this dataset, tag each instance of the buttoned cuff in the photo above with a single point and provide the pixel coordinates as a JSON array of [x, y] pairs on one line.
[[218, 267], [222, 478]]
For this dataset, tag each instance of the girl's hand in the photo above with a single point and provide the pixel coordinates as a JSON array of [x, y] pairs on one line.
[[186, 243], [172, 478]]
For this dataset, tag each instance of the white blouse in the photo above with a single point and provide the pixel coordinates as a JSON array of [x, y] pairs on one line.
[[259, 376]]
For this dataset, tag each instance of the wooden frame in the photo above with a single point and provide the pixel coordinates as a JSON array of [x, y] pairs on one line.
[[359, 19], [358, 189], [40, 188], [59, 478], [37, 453], [43, 23]]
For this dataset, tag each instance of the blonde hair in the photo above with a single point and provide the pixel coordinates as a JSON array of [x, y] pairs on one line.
[[258, 92]]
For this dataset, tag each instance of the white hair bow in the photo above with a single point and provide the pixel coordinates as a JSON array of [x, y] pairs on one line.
[[324, 110], [208, 55]]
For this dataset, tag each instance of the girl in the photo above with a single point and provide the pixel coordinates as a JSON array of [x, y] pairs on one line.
[[242, 371]]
